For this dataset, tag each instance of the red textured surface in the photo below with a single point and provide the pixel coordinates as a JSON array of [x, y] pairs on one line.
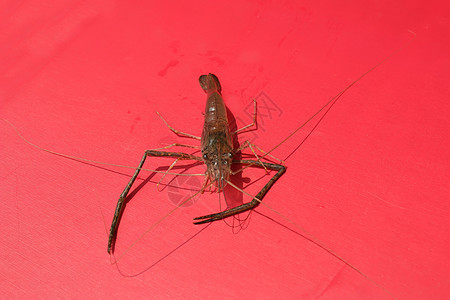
[[371, 182]]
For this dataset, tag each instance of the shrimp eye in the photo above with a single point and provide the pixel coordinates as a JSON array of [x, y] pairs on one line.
[[205, 156], [224, 162], [227, 155]]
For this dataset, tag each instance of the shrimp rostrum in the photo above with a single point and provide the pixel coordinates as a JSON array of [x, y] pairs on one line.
[[217, 153]]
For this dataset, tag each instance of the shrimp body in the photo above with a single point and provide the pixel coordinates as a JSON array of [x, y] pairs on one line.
[[216, 143]]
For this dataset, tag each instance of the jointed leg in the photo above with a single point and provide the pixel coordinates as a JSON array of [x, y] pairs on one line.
[[177, 131], [255, 202], [165, 173], [251, 124], [177, 145], [121, 201], [248, 144], [173, 164]]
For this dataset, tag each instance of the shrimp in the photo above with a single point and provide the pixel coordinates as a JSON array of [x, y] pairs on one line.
[[217, 154]]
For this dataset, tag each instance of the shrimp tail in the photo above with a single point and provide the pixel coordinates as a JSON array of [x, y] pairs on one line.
[[210, 82]]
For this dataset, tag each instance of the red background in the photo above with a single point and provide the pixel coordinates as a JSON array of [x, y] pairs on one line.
[[371, 182]]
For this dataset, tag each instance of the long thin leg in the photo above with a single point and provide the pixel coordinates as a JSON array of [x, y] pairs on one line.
[[251, 124], [178, 145], [248, 144], [173, 164], [179, 132], [165, 173], [255, 202], [120, 203]]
